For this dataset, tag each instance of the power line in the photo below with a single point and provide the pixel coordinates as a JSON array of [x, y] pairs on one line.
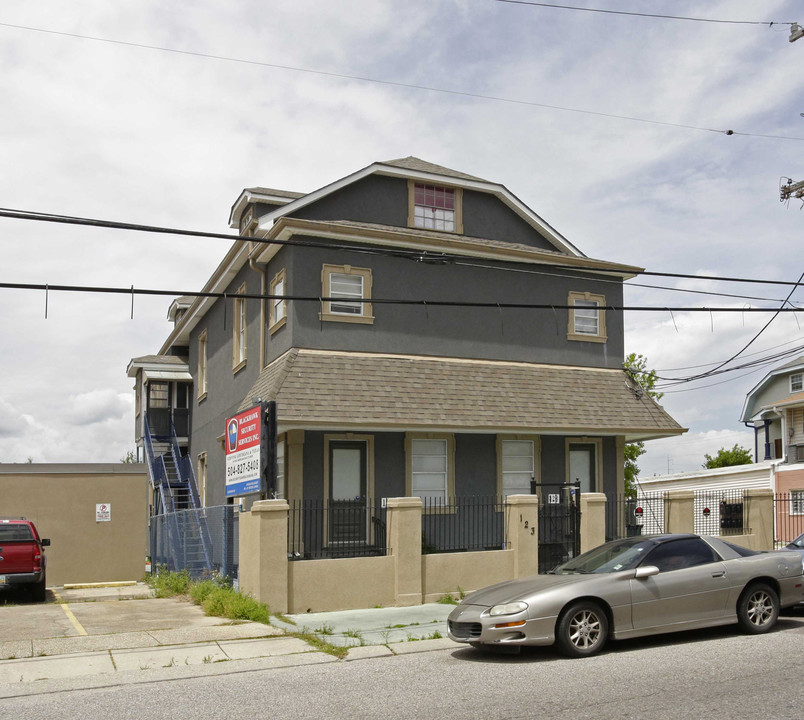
[[645, 15], [417, 255], [758, 352], [393, 83], [133, 291]]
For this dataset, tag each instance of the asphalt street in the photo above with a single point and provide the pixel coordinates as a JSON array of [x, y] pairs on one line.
[[716, 674]]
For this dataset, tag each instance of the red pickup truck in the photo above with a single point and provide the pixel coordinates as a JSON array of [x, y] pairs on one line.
[[22, 556]]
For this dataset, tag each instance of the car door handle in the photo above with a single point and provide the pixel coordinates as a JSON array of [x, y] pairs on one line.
[[719, 573]]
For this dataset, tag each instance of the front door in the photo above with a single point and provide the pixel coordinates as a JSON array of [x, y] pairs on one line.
[[347, 491], [582, 466]]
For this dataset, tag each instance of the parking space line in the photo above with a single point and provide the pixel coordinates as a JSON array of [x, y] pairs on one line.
[[69, 613]]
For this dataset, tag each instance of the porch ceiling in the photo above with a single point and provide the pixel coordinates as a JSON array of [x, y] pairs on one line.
[[323, 389]]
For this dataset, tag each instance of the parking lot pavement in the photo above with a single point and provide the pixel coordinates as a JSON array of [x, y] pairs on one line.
[[96, 635]]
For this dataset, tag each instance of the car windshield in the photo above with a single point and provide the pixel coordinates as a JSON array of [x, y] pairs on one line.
[[611, 557], [798, 542]]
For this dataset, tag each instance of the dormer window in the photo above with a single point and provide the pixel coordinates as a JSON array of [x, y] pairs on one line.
[[435, 207]]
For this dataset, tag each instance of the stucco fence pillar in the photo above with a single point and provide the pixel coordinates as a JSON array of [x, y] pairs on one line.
[[758, 517], [679, 511], [522, 531], [263, 553], [593, 520], [404, 541]]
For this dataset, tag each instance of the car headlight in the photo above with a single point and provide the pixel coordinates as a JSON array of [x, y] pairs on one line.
[[508, 608]]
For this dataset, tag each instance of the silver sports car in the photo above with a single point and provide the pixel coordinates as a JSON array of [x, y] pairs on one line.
[[633, 587]]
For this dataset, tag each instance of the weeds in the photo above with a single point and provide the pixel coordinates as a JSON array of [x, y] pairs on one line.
[[447, 599], [325, 629]]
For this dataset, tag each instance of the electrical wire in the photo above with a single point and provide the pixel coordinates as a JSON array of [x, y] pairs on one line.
[[417, 255], [644, 15], [393, 83]]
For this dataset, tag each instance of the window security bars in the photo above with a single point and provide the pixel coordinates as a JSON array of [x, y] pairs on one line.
[[336, 529], [461, 524], [176, 543]]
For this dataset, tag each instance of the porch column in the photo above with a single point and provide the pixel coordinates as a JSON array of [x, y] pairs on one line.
[[593, 520], [294, 482], [767, 440], [263, 561], [522, 532], [679, 511], [404, 542]]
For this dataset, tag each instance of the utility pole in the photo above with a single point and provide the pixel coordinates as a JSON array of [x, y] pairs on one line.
[[796, 32], [791, 190]]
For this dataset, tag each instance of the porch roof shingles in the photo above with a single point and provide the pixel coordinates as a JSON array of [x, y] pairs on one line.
[[319, 388]]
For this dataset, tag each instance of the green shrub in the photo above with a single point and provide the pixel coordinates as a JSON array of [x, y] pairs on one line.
[[168, 584]]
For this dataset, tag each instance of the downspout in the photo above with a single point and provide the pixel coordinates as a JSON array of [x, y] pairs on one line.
[[756, 444], [263, 279]]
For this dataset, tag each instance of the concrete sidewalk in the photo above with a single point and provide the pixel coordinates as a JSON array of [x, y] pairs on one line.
[[95, 637]]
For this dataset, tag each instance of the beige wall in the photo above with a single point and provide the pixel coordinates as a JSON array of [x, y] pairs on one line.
[[454, 573], [61, 500]]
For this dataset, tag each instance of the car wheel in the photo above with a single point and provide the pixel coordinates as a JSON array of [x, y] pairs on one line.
[[758, 608], [582, 630], [38, 590]]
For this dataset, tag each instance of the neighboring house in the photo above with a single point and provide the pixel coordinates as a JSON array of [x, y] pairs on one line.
[[377, 399], [775, 410]]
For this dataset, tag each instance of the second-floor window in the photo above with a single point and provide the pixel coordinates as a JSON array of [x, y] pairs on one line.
[[239, 345], [797, 382], [347, 289], [586, 320], [278, 312], [202, 365]]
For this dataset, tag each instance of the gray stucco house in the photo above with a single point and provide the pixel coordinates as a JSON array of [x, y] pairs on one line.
[[379, 396]]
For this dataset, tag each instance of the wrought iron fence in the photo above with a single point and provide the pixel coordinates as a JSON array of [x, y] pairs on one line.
[[176, 541], [788, 514], [462, 524], [719, 512], [634, 516], [336, 529]]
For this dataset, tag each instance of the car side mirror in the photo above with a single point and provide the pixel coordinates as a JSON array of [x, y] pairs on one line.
[[45, 542], [646, 571]]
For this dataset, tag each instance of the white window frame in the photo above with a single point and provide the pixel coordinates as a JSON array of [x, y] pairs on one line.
[[278, 313], [796, 382], [202, 478], [588, 304], [332, 310], [202, 365], [503, 442], [447, 441], [239, 331], [423, 217]]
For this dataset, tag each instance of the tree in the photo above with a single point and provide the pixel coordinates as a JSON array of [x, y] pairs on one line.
[[636, 367], [129, 458], [738, 455]]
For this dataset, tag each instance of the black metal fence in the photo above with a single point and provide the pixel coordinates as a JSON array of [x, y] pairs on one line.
[[175, 541], [720, 512], [788, 513], [336, 529], [463, 524], [631, 517]]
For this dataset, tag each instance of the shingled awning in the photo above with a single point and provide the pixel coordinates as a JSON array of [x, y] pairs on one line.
[[323, 389]]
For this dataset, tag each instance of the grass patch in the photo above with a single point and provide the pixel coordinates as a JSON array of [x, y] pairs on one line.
[[320, 644], [213, 594], [447, 599]]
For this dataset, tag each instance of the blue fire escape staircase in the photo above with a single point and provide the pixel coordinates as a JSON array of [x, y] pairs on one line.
[[184, 541]]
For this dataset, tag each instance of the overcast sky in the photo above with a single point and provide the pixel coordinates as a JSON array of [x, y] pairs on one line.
[[119, 131]]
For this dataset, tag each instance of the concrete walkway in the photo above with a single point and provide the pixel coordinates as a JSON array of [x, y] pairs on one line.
[[95, 637]]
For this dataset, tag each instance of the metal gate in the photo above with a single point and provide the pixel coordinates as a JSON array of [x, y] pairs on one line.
[[559, 523]]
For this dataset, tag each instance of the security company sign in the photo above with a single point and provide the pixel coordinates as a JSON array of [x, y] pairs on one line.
[[243, 453]]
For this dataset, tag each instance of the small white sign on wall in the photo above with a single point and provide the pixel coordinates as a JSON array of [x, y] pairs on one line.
[[103, 512], [554, 499]]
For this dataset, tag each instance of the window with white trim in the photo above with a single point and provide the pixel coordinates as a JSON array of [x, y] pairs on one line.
[[202, 365], [518, 468], [430, 460], [202, 478], [278, 311], [586, 321], [346, 288], [797, 502], [797, 382], [239, 346]]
